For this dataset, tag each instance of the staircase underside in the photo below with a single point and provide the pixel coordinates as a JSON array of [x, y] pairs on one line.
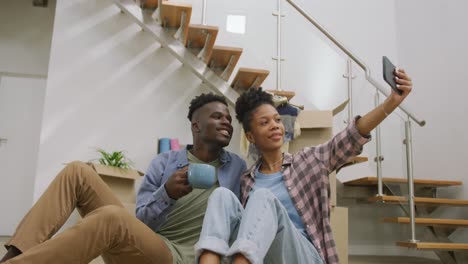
[[177, 49]]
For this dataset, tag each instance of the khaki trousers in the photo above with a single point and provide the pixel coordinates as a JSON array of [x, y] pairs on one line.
[[106, 229]]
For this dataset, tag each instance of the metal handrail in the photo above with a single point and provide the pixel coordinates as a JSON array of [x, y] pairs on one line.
[[358, 61], [385, 91]]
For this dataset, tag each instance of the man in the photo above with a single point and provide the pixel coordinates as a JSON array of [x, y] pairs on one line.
[[166, 204]]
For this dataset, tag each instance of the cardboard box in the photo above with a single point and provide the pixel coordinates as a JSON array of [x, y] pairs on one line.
[[339, 226], [317, 128], [121, 181]]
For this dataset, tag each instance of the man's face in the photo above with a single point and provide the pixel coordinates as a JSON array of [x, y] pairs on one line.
[[212, 124]]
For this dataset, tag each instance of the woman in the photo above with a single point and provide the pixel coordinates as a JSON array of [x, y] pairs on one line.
[[286, 215]]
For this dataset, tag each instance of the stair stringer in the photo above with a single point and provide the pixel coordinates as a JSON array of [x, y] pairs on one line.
[[177, 49]]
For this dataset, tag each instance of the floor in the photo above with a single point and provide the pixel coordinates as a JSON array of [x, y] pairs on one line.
[[352, 259], [3, 251], [390, 260]]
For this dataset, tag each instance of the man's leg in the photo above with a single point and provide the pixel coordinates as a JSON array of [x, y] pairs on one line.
[[76, 186], [222, 218], [267, 234], [109, 230]]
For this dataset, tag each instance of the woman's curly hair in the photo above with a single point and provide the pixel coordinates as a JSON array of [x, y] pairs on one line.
[[248, 102]]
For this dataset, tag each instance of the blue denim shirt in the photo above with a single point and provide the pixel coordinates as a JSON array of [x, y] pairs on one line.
[[154, 204]]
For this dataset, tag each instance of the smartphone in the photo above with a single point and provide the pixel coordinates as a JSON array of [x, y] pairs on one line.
[[388, 74]]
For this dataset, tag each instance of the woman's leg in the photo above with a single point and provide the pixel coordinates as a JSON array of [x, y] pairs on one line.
[[267, 233], [221, 220]]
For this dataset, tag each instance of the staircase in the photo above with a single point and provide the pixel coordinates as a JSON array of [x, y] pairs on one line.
[[426, 199], [194, 45]]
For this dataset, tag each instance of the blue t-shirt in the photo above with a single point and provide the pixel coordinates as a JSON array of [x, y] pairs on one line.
[[275, 183]]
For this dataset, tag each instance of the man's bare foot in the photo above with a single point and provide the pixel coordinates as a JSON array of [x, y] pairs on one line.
[[12, 252]]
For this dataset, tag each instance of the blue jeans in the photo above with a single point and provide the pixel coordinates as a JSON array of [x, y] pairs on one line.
[[263, 232]]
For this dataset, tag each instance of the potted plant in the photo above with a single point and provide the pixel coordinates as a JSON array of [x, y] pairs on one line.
[[115, 164], [116, 170]]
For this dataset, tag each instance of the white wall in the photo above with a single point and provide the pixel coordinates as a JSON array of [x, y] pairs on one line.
[[21, 104], [25, 36], [110, 86], [432, 43], [436, 57]]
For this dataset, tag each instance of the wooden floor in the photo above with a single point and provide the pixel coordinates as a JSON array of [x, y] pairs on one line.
[[352, 259], [390, 260], [3, 240]]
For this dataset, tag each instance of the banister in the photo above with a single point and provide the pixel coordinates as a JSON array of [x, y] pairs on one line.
[[364, 67]]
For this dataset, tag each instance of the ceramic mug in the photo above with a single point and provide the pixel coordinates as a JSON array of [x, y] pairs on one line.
[[201, 176]]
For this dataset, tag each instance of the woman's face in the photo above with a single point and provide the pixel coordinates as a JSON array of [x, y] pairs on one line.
[[266, 128]]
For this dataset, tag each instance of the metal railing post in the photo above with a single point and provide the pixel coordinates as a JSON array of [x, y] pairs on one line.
[[203, 14], [378, 153], [409, 168], [349, 76], [278, 46]]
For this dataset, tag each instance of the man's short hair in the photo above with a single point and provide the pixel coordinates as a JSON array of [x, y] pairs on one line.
[[202, 100]]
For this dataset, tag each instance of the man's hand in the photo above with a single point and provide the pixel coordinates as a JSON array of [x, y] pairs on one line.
[[177, 185]]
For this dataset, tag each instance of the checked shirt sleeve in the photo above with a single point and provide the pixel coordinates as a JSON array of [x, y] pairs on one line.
[[342, 147]]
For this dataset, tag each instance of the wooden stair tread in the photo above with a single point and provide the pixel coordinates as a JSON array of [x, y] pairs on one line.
[[427, 221], [220, 57], [196, 39], [176, 4], [197, 35], [371, 181], [418, 200], [171, 13], [353, 161], [287, 94], [433, 245], [150, 4], [247, 78]]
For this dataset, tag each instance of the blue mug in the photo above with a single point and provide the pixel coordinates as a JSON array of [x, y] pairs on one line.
[[201, 176]]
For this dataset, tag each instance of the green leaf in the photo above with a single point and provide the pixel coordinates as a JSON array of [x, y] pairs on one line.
[[116, 159]]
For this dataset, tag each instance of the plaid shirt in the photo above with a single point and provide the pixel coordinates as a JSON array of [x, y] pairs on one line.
[[305, 175]]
